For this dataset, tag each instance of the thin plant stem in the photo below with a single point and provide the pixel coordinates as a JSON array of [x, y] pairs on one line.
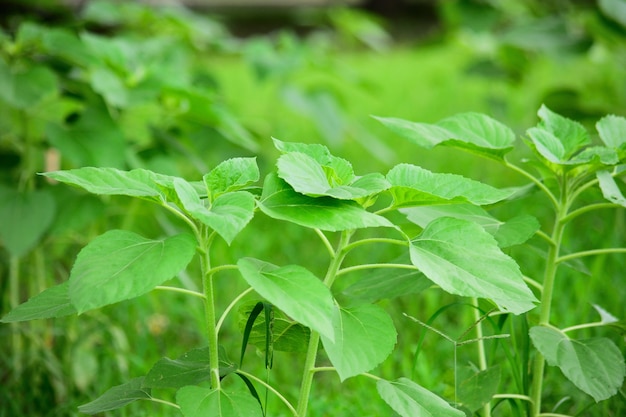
[[314, 339], [180, 290], [512, 396], [584, 326], [546, 296], [270, 388], [171, 404], [592, 252], [587, 209], [326, 242], [209, 308], [535, 180], [362, 242], [375, 266], [14, 300], [482, 357], [230, 307]]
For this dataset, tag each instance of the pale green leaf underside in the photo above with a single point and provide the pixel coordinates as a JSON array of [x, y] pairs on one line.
[[363, 337], [281, 202], [453, 254], [294, 290], [231, 175], [472, 132], [413, 185], [117, 397], [120, 265], [110, 181], [609, 188], [612, 130], [195, 401], [51, 303], [412, 400]]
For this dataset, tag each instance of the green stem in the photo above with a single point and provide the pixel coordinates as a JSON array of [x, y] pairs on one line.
[[375, 266], [180, 290], [581, 254], [14, 300], [482, 357], [546, 297], [587, 209], [535, 180], [362, 242], [584, 326], [314, 338], [272, 389], [209, 308]]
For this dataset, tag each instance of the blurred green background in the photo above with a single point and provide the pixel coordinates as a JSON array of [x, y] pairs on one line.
[[179, 89]]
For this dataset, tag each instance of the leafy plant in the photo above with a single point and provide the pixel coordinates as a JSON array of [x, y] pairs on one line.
[[443, 237]]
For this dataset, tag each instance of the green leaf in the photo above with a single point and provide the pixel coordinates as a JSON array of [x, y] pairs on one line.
[[363, 337], [228, 215], [572, 135], [388, 283], [26, 89], [548, 145], [411, 400], [412, 185], [612, 130], [546, 340], [512, 232], [120, 265], [26, 216], [287, 335], [51, 303], [477, 390], [463, 259], [197, 401], [614, 9], [191, 368], [596, 366], [609, 188], [473, 132], [294, 290], [117, 397], [281, 202], [605, 316], [111, 181], [231, 175]]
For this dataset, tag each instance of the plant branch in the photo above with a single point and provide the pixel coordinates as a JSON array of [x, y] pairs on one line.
[[585, 326], [512, 396], [230, 307], [272, 389], [157, 400], [587, 209], [362, 242], [375, 266], [180, 290], [592, 252], [326, 242], [535, 180]]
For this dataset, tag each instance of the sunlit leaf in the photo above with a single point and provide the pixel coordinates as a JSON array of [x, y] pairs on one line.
[[479, 388], [231, 175], [412, 186], [294, 290], [571, 135], [281, 202], [609, 188], [453, 254], [119, 265], [363, 337], [612, 129], [412, 400]]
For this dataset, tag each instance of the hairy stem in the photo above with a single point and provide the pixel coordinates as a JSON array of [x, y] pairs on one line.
[[314, 339]]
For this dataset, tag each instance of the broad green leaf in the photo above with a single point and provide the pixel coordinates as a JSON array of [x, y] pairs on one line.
[[422, 134], [110, 86], [463, 259], [473, 132], [479, 388], [308, 177], [412, 185], [318, 152], [287, 335], [26, 89], [294, 290], [596, 366], [388, 283], [120, 265], [231, 175], [51, 303], [548, 145], [597, 155], [612, 130], [411, 400], [191, 368], [110, 181], [609, 188], [228, 214], [197, 401], [512, 232], [117, 397], [26, 216], [281, 202], [572, 135], [364, 337]]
